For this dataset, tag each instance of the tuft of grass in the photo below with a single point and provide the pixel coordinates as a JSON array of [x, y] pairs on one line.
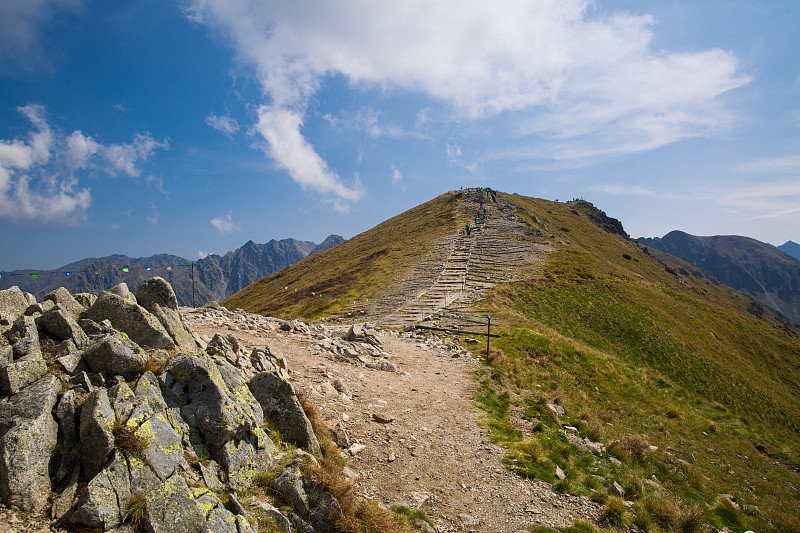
[[126, 440], [135, 511], [615, 513], [329, 449], [411, 518]]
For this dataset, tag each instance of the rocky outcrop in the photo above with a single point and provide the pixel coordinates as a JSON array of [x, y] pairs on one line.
[[132, 319], [93, 439], [156, 296]]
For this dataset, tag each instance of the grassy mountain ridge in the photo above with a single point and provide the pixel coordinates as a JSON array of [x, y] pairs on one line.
[[634, 350]]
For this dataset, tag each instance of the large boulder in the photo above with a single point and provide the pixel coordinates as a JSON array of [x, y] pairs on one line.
[[122, 290], [58, 322], [224, 345], [28, 435], [63, 297], [129, 317], [96, 431], [219, 412], [68, 426], [26, 364], [12, 305], [282, 409], [157, 296], [173, 507], [104, 502], [115, 354], [312, 502]]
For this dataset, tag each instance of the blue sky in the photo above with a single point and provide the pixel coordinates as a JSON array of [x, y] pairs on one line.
[[190, 127]]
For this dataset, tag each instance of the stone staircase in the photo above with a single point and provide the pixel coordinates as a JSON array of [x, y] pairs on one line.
[[462, 268]]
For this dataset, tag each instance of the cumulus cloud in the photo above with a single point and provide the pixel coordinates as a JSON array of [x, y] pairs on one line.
[[21, 24], [201, 254], [224, 224], [280, 128], [39, 174], [226, 124], [579, 84]]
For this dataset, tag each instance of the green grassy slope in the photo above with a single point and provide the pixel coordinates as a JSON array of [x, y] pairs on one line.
[[359, 268], [636, 353]]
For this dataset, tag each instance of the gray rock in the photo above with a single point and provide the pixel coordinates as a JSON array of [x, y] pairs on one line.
[[276, 516], [382, 364], [63, 502], [616, 490], [173, 508], [263, 360], [62, 297], [68, 425], [226, 346], [359, 333], [244, 457], [28, 435], [12, 305], [115, 354], [157, 296], [123, 292], [220, 520], [24, 336], [127, 316], [122, 401], [92, 328], [210, 473], [308, 499], [20, 373], [60, 324], [6, 355], [85, 299], [559, 474], [96, 432], [283, 411], [68, 356], [105, 499], [208, 404]]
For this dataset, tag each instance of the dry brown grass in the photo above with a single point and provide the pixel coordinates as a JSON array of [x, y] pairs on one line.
[[126, 440], [636, 447]]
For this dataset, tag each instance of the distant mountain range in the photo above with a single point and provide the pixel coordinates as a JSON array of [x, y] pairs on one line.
[[766, 273], [791, 248], [215, 277]]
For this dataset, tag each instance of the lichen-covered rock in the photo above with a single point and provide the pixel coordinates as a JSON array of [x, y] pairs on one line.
[[92, 328], [115, 354], [283, 411], [311, 501], [263, 360], [164, 451], [105, 499], [96, 431], [245, 457], [12, 304], [22, 372], [68, 426], [85, 299], [62, 297], [195, 382], [122, 290], [68, 356], [173, 508], [24, 335], [27, 437], [157, 296], [281, 522], [122, 401], [58, 323], [129, 317]]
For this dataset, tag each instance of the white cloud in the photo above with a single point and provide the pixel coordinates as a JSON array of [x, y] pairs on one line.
[[397, 177], [21, 24], [154, 214], [38, 181], [201, 254], [455, 157], [124, 158], [779, 165], [224, 224], [290, 150], [591, 85], [225, 124], [624, 190]]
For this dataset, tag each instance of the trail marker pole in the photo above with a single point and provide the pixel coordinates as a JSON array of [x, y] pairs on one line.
[[193, 284], [488, 331]]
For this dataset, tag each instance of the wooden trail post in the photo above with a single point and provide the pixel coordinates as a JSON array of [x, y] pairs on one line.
[[488, 334], [193, 284]]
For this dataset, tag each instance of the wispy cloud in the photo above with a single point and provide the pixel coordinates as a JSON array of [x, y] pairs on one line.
[[226, 124], [224, 224], [21, 25], [290, 150], [397, 178], [779, 165], [154, 214], [455, 157], [578, 85], [623, 190]]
